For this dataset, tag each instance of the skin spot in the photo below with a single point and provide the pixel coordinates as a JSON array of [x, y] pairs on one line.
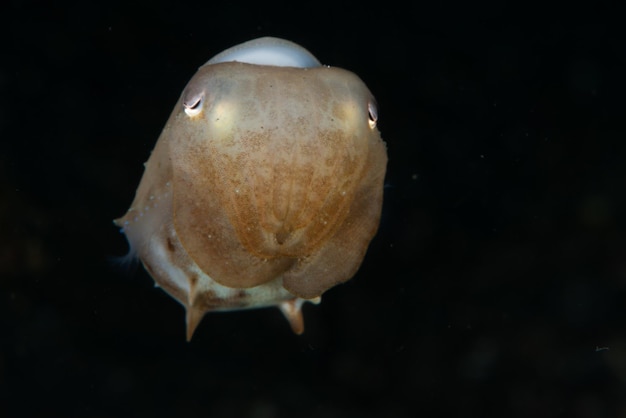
[[193, 279], [170, 245], [281, 236], [208, 300]]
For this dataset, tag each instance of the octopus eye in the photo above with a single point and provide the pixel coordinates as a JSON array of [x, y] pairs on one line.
[[372, 114], [193, 104]]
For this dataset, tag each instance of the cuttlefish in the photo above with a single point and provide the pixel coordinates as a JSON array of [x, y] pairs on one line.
[[265, 187]]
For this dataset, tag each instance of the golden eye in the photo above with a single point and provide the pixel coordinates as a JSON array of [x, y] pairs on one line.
[[372, 114], [193, 104]]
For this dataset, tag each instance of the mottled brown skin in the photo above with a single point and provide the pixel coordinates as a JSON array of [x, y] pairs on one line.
[[277, 192], [274, 187]]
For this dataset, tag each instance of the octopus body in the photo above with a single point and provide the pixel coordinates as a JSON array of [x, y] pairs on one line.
[[265, 187]]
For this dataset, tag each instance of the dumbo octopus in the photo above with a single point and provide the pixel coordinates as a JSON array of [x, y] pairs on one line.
[[265, 187]]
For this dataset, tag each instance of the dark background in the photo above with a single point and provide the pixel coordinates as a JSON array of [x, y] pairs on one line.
[[495, 287]]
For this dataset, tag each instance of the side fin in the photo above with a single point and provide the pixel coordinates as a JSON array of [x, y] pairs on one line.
[[292, 309]]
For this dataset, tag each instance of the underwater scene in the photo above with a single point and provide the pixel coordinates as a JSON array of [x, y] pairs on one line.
[[315, 210]]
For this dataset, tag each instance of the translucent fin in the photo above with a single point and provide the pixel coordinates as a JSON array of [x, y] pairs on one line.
[[292, 310], [194, 316]]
